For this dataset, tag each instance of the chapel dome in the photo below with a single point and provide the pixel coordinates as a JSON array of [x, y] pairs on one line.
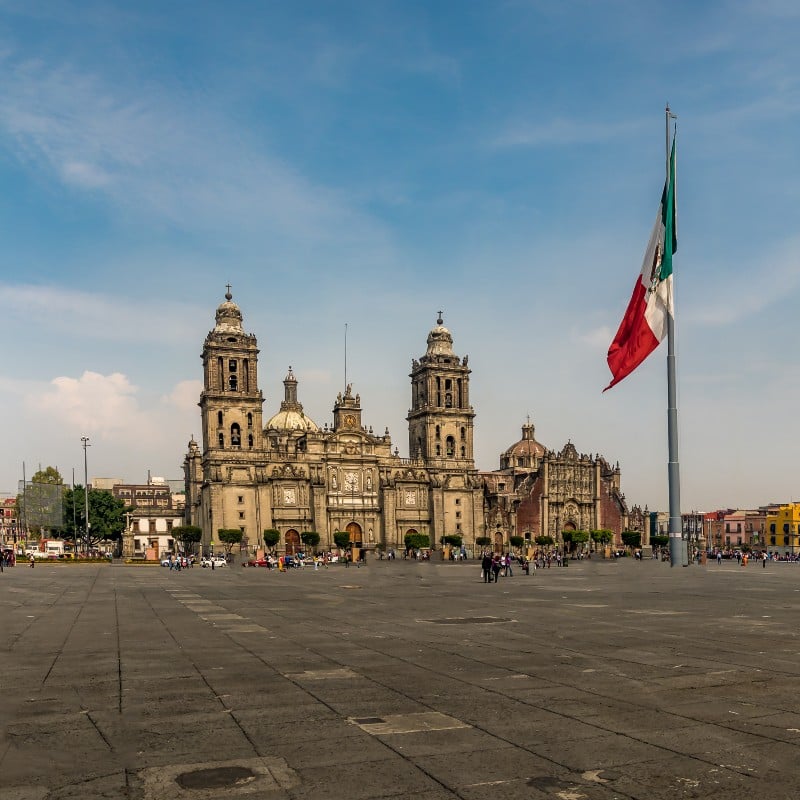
[[524, 453]]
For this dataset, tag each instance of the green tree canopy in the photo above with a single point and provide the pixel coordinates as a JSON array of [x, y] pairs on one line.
[[341, 539], [602, 535], [659, 540], [631, 538], [188, 536], [229, 537], [483, 541], [453, 539], [310, 538], [544, 541], [271, 538], [417, 541], [40, 504], [580, 537], [517, 541], [106, 516]]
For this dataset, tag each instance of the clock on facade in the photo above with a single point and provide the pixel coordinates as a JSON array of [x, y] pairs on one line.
[[411, 498], [350, 482], [350, 421], [289, 497]]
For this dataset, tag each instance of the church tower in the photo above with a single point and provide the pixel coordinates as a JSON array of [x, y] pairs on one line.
[[231, 401], [440, 421]]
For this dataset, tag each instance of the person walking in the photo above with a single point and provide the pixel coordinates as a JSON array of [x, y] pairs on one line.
[[33, 561], [764, 559], [486, 567], [496, 568]]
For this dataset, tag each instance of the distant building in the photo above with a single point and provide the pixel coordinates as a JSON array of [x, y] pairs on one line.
[[153, 512], [541, 492], [9, 529], [783, 529]]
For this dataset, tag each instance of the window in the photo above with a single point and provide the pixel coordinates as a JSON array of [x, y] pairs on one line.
[[438, 449], [232, 365], [249, 420], [727, 527], [458, 501], [463, 434], [451, 446], [772, 528], [738, 527], [785, 540], [458, 526], [241, 515], [786, 527], [219, 418], [236, 435], [520, 461], [772, 540], [222, 440], [501, 486], [458, 515], [232, 383], [463, 451], [240, 498], [438, 432], [250, 441]]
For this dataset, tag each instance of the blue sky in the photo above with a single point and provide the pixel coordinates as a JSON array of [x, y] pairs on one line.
[[371, 163]]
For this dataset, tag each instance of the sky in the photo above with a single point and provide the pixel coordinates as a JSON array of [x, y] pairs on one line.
[[368, 164]]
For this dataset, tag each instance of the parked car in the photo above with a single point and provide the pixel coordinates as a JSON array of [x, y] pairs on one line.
[[217, 561], [259, 562]]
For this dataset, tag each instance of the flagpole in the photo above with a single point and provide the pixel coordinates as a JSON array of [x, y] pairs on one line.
[[678, 554]]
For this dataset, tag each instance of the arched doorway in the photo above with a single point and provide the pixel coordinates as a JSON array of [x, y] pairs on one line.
[[356, 535], [292, 539], [498, 542]]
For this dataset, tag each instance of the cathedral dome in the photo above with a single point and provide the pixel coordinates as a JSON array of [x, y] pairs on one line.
[[229, 316], [290, 420], [440, 340], [291, 416]]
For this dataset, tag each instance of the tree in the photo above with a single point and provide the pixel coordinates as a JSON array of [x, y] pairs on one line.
[[483, 541], [517, 541], [417, 541], [631, 538], [659, 540], [544, 541], [453, 539], [602, 536], [40, 506], [188, 536], [229, 537], [271, 538], [341, 539], [310, 538], [580, 537], [106, 516]]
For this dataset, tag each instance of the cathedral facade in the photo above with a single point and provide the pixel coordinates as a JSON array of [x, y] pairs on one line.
[[290, 475]]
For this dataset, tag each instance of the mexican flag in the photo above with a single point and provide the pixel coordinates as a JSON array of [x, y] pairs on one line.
[[645, 322]]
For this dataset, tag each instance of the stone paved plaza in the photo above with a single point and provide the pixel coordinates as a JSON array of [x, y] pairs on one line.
[[401, 679]]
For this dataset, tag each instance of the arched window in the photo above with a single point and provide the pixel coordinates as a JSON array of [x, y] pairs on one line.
[[438, 432], [249, 420], [233, 384], [463, 451], [236, 435], [448, 400], [222, 440], [219, 418], [451, 446], [250, 441], [438, 449], [463, 434]]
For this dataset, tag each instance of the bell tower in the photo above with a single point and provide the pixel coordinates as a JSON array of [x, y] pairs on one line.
[[231, 401], [440, 421]]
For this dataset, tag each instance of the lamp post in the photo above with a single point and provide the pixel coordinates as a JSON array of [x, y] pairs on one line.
[[85, 440]]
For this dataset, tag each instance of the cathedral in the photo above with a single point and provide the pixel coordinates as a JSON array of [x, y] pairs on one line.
[[291, 475]]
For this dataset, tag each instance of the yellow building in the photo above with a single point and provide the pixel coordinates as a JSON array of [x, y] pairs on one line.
[[783, 529]]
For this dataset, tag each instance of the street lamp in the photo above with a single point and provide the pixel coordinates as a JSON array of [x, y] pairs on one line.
[[85, 440]]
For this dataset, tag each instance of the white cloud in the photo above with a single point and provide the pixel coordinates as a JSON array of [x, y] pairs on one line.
[[597, 338], [103, 404], [184, 396]]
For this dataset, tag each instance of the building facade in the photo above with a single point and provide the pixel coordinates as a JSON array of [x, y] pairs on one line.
[[540, 492], [290, 475], [153, 512]]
